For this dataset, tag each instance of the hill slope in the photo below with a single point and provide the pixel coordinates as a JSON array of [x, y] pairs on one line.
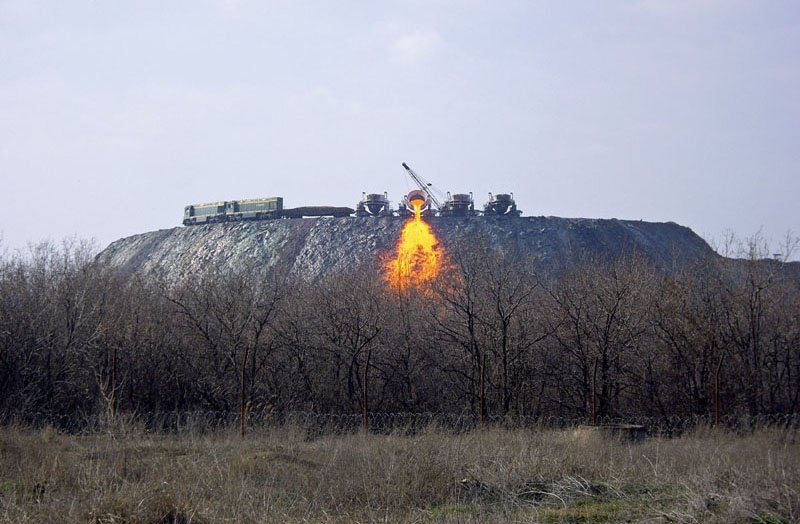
[[314, 247]]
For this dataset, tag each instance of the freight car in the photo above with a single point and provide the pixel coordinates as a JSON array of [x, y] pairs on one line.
[[374, 205], [317, 211], [255, 209], [501, 204]]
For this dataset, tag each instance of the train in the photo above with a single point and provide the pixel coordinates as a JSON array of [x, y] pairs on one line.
[[255, 209], [371, 205], [427, 199]]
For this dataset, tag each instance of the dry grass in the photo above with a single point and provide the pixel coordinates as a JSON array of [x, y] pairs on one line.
[[278, 475]]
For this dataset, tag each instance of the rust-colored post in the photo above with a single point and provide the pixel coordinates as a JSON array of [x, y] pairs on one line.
[[483, 392], [365, 397], [717, 403], [114, 382], [242, 394], [594, 392]]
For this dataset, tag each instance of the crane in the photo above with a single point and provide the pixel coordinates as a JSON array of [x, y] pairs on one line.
[[425, 186]]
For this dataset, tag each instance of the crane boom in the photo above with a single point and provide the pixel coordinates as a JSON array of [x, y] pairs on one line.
[[424, 185]]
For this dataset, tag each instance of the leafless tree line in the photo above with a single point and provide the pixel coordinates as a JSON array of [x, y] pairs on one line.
[[494, 336]]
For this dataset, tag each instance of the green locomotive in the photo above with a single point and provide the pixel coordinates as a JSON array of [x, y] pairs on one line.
[[255, 209], [234, 210]]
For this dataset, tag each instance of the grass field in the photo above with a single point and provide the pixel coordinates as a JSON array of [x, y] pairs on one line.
[[495, 475]]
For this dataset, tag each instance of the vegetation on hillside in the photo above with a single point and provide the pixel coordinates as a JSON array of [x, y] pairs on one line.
[[493, 337]]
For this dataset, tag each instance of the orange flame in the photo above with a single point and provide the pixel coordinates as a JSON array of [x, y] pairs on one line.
[[418, 258]]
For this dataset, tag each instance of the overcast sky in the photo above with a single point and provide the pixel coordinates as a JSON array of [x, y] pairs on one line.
[[114, 115]]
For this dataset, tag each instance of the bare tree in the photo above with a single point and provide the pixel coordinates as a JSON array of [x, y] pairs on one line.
[[456, 313], [231, 313], [350, 314], [603, 309]]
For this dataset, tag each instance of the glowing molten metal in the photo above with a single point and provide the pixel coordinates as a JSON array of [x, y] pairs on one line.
[[418, 258]]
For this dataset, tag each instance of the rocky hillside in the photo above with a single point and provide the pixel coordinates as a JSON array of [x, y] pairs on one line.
[[314, 247]]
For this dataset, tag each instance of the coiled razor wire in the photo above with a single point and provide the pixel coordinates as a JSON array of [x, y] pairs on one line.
[[317, 424]]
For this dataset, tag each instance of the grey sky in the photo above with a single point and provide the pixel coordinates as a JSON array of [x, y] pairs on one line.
[[114, 115]]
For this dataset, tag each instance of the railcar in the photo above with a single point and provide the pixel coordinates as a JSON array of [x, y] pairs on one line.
[[255, 209], [233, 210]]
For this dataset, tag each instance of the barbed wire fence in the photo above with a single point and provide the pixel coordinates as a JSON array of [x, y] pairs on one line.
[[319, 424]]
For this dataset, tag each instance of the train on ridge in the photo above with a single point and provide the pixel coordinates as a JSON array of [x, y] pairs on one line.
[[428, 198], [371, 205]]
